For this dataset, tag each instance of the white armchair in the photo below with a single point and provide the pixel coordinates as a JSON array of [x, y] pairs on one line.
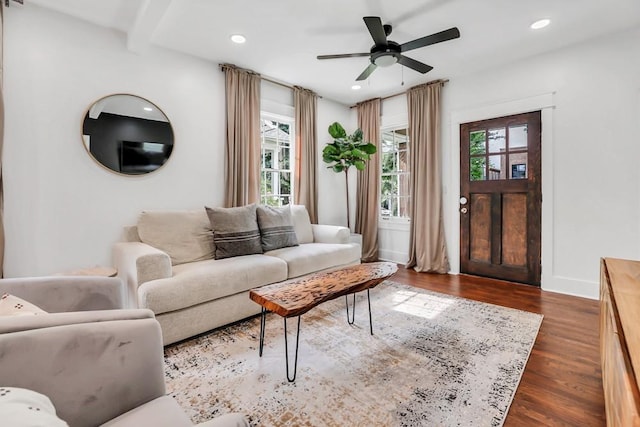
[[104, 366]]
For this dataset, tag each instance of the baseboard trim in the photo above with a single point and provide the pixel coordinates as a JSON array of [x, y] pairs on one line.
[[571, 286], [393, 256]]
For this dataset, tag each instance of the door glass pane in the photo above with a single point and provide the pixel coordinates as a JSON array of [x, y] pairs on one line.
[[268, 183], [402, 161], [477, 168], [478, 142], [497, 167], [518, 165], [497, 140], [517, 137]]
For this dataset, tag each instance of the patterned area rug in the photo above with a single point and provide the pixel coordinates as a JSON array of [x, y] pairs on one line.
[[434, 360]]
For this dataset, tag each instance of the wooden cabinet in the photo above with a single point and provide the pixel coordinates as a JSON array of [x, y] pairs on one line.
[[620, 340]]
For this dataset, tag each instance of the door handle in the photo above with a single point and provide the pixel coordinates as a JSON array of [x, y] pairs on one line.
[[464, 210]]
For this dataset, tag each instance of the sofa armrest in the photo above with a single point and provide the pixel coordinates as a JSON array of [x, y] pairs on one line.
[[330, 234], [138, 263], [91, 371], [55, 294]]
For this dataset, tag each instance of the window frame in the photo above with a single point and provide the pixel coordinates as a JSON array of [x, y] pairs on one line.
[[265, 115], [389, 221]]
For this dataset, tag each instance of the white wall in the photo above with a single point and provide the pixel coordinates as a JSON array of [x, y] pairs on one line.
[[590, 152], [62, 210]]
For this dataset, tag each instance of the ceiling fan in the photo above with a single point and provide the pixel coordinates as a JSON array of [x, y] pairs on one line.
[[386, 52]]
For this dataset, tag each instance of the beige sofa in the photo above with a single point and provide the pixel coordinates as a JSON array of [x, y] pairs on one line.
[[98, 364], [167, 263]]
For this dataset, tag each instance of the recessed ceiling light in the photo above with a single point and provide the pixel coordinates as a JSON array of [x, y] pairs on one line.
[[238, 38], [356, 87], [540, 24], [148, 109]]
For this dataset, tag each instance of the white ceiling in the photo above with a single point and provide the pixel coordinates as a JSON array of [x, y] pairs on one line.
[[285, 36]]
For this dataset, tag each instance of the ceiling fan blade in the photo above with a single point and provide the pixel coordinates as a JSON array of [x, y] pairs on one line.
[[442, 36], [415, 65], [374, 24], [344, 55], [367, 72]]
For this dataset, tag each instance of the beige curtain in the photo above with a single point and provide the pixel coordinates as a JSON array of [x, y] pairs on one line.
[[1, 186], [242, 163], [427, 247], [369, 181], [305, 185]]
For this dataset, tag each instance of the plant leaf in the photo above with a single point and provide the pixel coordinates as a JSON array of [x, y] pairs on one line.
[[359, 164], [368, 148], [338, 167], [337, 131], [357, 135]]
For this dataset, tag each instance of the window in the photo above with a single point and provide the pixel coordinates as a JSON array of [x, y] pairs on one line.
[[394, 185], [276, 170]]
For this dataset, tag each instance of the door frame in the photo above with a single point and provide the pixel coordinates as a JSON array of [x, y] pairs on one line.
[[451, 152]]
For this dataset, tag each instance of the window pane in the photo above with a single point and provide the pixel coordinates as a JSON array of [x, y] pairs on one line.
[[267, 159], [384, 207], [285, 200], [387, 162], [518, 165], [497, 167], [403, 207], [477, 169], [477, 142], [283, 158], [497, 140], [517, 137], [268, 183], [388, 187], [403, 184], [403, 166], [285, 183]]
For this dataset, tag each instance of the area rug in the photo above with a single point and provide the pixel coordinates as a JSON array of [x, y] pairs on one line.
[[434, 360]]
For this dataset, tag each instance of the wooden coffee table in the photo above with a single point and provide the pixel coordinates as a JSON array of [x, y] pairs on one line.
[[297, 296]]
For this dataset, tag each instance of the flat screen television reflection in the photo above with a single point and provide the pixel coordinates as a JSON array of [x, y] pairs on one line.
[[143, 157]]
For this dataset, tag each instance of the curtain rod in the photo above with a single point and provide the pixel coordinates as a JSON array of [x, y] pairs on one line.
[[267, 79], [442, 81]]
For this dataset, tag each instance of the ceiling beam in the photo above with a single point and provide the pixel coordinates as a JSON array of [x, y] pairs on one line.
[[148, 18]]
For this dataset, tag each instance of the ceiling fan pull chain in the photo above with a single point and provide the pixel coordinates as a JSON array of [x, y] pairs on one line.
[[402, 71]]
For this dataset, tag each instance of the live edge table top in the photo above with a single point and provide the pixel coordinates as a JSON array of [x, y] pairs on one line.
[[297, 296]]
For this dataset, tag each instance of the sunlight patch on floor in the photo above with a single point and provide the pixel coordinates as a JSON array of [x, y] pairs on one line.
[[418, 304]]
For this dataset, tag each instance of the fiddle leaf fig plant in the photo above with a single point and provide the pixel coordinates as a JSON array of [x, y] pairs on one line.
[[346, 151]]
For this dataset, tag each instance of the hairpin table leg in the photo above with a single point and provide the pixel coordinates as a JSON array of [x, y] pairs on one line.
[[286, 350], [263, 323], [351, 319], [370, 322]]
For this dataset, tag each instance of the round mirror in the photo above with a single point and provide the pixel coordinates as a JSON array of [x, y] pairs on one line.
[[127, 134]]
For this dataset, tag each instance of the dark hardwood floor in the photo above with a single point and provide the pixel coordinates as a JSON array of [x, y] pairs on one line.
[[562, 383]]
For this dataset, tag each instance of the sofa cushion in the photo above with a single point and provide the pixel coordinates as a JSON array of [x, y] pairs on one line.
[[11, 305], [184, 235], [203, 281], [160, 412], [235, 231], [276, 228], [20, 407], [301, 223], [313, 257]]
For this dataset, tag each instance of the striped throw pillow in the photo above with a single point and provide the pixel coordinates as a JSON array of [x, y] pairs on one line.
[[276, 228], [235, 231]]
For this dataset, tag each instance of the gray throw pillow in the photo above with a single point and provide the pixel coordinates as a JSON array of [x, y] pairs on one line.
[[276, 228], [235, 231]]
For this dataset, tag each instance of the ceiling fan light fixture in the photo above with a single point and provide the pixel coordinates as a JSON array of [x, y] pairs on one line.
[[385, 60], [540, 24], [238, 38]]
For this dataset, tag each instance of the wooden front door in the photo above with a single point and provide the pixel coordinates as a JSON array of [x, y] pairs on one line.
[[501, 198]]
